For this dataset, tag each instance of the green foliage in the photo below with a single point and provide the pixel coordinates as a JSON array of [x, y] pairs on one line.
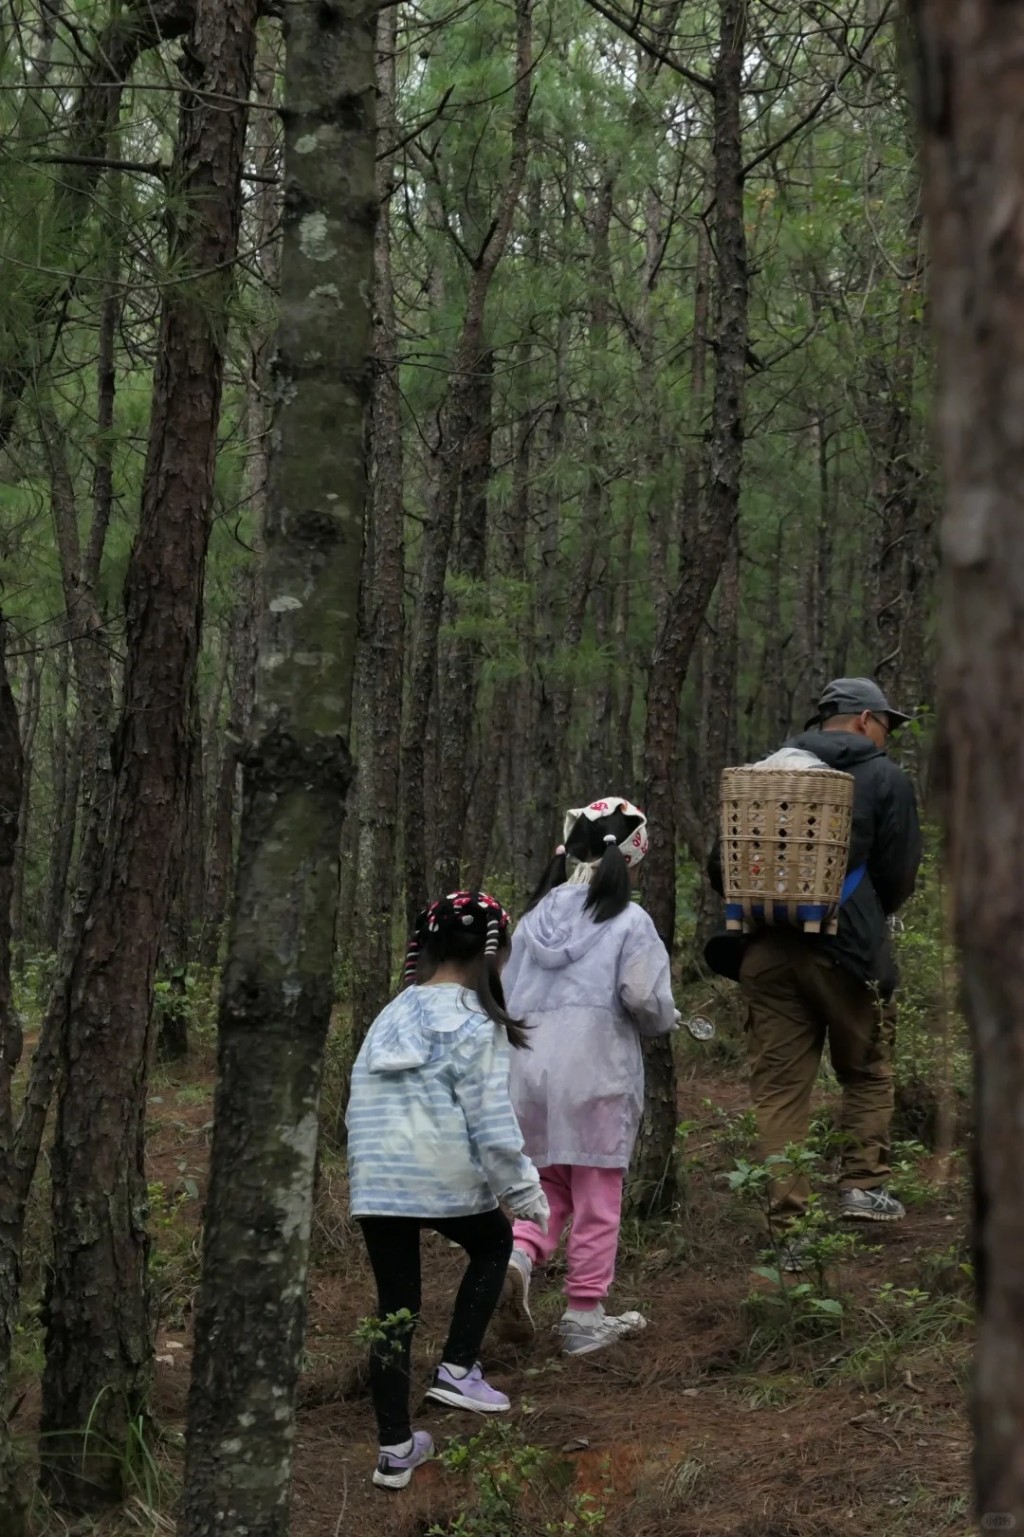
[[192, 992], [174, 1247], [735, 1132], [513, 1483], [391, 1330], [931, 1051]]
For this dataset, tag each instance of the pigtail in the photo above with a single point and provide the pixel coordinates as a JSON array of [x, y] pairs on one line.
[[554, 875], [412, 961], [450, 931], [490, 996], [609, 893]]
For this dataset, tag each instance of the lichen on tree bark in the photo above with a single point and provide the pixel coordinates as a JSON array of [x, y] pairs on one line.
[[277, 990]]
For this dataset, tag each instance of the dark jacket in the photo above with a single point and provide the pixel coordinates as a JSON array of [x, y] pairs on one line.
[[885, 834]]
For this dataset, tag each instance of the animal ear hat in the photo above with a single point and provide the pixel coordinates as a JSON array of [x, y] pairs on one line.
[[622, 818]]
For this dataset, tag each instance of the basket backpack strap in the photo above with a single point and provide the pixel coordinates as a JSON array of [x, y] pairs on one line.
[[851, 883]]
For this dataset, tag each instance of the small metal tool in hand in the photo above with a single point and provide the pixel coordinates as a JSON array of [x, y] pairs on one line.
[[700, 1027]]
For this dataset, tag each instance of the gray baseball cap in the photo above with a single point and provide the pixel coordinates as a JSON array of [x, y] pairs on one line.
[[849, 696]]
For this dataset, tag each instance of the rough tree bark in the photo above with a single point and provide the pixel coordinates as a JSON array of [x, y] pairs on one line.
[[90, 652], [707, 548], [97, 1326], [460, 673], [383, 599], [242, 663], [276, 1002], [63, 802], [899, 483], [12, 766], [717, 729], [701, 565], [970, 56], [31, 709], [456, 427], [263, 148]]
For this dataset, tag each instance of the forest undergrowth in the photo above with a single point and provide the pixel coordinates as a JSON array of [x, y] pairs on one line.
[[757, 1403]]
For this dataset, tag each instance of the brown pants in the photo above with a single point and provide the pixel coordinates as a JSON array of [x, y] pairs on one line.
[[796, 996]]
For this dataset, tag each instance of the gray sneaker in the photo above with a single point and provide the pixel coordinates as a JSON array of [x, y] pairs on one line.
[[514, 1319], [583, 1334], [875, 1205]]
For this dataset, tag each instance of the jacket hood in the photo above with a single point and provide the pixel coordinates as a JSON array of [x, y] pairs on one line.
[[408, 1032], [841, 750], [559, 931]]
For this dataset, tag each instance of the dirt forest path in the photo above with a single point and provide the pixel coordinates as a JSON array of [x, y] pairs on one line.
[[727, 1416]]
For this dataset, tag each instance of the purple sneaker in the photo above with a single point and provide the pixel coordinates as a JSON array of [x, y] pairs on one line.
[[394, 1472], [468, 1392]]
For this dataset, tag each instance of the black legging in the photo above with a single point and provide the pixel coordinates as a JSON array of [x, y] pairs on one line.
[[393, 1244]]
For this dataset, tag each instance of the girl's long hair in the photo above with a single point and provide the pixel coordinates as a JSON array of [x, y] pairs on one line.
[[609, 891], [466, 949]]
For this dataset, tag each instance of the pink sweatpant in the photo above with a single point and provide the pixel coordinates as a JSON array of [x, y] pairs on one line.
[[592, 1198]]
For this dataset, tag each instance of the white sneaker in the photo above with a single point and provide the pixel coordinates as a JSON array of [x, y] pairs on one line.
[[515, 1321], [584, 1332]]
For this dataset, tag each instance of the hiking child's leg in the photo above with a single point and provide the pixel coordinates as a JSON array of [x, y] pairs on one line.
[[594, 1236], [487, 1239], [393, 1244], [785, 1037], [538, 1247]]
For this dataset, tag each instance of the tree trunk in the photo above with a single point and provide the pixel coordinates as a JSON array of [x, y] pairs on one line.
[[458, 692], [31, 709], [97, 1323], [718, 730], [383, 601], [688, 606], [456, 426], [519, 690], [276, 1003], [689, 603], [970, 54], [86, 631], [64, 801], [898, 482], [12, 766], [240, 660]]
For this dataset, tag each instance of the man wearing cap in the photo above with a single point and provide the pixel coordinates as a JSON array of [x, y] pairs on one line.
[[801, 987]]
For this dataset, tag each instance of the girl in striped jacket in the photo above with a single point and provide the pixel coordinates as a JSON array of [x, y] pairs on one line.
[[433, 1143]]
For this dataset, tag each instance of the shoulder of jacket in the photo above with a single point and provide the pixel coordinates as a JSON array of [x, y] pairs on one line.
[[396, 1008], [894, 777], [641, 924]]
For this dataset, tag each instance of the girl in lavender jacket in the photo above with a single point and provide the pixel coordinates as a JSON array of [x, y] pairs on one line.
[[590, 976]]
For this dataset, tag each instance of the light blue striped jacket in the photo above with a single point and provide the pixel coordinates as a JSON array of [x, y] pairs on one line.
[[431, 1129]]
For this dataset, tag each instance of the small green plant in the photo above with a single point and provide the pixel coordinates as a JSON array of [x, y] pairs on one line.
[[501, 1467], [950, 1272], [191, 1094], [736, 1133], [174, 1251], [825, 1138], [191, 993], [799, 1305], [390, 1331]]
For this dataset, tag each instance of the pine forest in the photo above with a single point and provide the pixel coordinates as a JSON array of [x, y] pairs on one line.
[[417, 420]]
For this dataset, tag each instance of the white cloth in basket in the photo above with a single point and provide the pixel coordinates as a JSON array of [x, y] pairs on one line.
[[790, 758]]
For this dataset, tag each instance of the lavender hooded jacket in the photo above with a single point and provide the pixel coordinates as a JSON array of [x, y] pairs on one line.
[[589, 991]]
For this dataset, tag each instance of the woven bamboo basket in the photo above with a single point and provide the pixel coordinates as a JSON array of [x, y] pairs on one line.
[[785, 846]]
